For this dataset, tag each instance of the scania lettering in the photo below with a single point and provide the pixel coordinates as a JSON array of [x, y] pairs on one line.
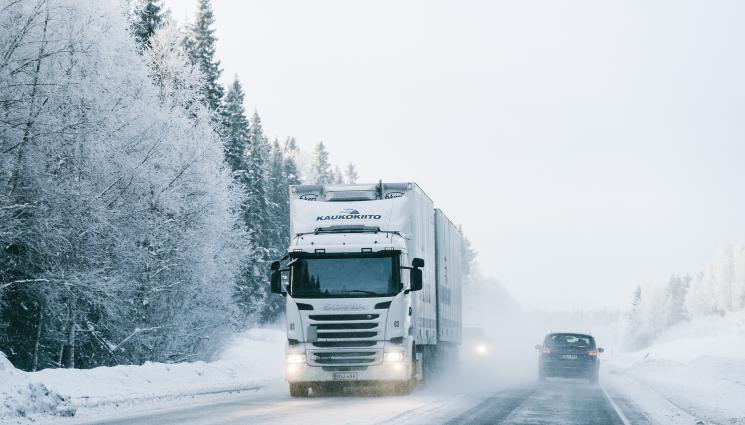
[[372, 280]]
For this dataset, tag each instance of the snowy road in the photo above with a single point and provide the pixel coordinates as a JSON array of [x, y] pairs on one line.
[[565, 402]]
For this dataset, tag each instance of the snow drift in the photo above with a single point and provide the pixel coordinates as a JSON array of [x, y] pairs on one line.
[[252, 361], [22, 397], [699, 367]]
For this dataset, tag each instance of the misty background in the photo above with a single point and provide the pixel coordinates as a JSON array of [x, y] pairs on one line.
[[585, 147]]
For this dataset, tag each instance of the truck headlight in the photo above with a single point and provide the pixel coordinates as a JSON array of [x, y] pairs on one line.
[[393, 356], [295, 358]]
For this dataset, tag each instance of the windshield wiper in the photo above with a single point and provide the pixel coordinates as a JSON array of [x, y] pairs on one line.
[[363, 292]]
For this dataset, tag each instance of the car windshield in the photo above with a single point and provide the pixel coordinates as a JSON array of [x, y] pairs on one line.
[[339, 276], [570, 340]]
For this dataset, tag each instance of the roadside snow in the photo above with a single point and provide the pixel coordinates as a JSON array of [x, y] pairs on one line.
[[252, 361], [698, 367], [20, 397]]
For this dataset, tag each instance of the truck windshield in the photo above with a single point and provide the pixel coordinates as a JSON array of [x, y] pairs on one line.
[[345, 276]]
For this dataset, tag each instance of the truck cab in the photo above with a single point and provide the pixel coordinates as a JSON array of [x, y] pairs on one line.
[[359, 280]]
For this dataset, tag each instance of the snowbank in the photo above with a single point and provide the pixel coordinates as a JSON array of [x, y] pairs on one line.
[[253, 360], [20, 397], [698, 367]]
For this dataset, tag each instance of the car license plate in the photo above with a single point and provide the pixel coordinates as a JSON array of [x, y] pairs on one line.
[[569, 356], [345, 376]]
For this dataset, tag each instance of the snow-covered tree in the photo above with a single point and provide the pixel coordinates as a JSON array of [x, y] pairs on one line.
[[120, 234], [201, 45], [337, 176], [148, 18], [350, 174], [235, 129], [320, 172], [674, 311]]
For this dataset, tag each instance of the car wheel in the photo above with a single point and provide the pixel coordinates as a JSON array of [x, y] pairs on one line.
[[595, 377], [299, 390], [541, 375]]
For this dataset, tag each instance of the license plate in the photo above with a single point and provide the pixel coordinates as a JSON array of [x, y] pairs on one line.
[[569, 356], [345, 376]]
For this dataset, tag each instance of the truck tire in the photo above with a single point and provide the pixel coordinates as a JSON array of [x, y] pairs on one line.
[[298, 389]]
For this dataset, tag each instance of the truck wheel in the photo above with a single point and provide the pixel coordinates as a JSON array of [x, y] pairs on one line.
[[298, 390]]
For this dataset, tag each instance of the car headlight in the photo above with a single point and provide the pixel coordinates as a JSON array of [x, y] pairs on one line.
[[481, 349], [295, 358], [393, 356]]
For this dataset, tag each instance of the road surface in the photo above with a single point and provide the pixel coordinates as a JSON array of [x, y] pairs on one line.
[[556, 402]]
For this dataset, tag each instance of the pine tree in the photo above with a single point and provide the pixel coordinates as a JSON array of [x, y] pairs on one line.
[[291, 170], [149, 16], [278, 199], [201, 46], [337, 176], [235, 129], [320, 167], [675, 293], [252, 293], [256, 169], [634, 336], [350, 174]]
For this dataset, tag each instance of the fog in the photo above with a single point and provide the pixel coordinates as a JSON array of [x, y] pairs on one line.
[[505, 355], [586, 147]]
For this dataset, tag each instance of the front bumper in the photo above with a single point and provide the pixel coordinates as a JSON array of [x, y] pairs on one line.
[[397, 371]]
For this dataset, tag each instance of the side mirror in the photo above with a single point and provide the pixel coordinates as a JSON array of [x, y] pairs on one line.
[[415, 279], [538, 346], [276, 278], [601, 350], [417, 263]]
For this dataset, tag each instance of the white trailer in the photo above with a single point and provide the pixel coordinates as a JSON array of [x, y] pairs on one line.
[[373, 286]]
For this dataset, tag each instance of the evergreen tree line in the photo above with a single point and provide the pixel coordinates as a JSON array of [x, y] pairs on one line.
[[719, 290], [139, 205]]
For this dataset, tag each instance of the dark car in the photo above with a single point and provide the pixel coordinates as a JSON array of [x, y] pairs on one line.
[[568, 355]]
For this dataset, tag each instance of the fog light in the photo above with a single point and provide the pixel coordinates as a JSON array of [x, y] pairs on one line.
[[393, 356], [295, 358], [292, 369], [398, 366], [481, 349]]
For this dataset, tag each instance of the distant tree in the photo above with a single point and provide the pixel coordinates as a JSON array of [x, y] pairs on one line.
[[290, 168], [633, 334], [148, 18], [236, 130], [350, 174], [468, 257], [674, 311], [292, 157], [337, 177], [200, 43], [320, 172]]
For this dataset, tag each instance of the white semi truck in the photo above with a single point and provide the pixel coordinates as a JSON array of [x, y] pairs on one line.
[[372, 281]]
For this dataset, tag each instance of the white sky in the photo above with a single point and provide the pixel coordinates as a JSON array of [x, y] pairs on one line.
[[585, 146]]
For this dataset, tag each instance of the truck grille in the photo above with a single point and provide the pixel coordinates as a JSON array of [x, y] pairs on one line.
[[325, 317], [346, 340]]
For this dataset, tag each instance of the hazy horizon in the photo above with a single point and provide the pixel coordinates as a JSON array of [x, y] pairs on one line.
[[585, 147]]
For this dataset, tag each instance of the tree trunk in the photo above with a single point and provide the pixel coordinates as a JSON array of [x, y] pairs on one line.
[[39, 325], [70, 351]]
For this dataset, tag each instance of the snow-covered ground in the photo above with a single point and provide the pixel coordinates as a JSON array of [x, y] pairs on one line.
[[252, 361], [697, 367], [695, 372]]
